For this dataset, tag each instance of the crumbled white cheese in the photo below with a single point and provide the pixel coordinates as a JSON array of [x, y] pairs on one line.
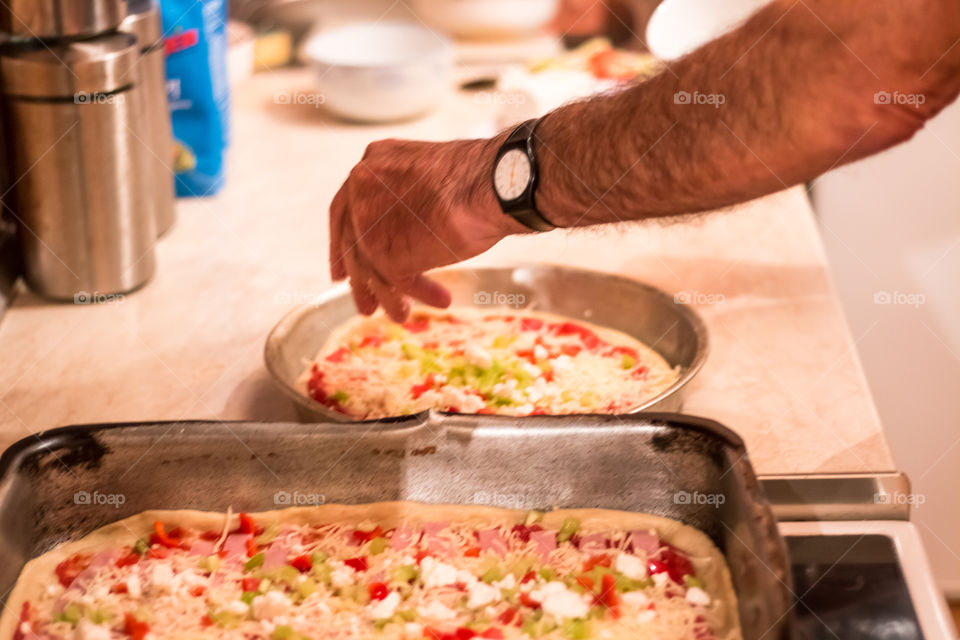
[[532, 369], [437, 574], [342, 575], [646, 616], [457, 397], [631, 566], [477, 356], [385, 608], [480, 594], [413, 629], [540, 353], [635, 599], [237, 608], [507, 583], [134, 586], [161, 577], [86, 630], [661, 578], [560, 602], [696, 595], [562, 363], [472, 403], [431, 396], [270, 605], [505, 388], [435, 610]]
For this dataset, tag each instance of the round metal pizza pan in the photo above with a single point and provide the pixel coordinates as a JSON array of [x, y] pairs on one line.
[[644, 312]]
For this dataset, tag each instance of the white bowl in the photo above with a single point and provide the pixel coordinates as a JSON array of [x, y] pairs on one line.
[[486, 18], [380, 72], [678, 27]]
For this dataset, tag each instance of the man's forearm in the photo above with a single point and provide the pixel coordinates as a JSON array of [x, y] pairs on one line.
[[791, 94]]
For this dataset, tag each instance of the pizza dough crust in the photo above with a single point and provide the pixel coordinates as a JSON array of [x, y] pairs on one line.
[[710, 565]]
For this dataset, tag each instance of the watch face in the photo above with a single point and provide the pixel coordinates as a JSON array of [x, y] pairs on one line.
[[512, 174]]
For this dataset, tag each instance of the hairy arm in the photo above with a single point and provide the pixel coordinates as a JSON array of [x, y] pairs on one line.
[[802, 87]]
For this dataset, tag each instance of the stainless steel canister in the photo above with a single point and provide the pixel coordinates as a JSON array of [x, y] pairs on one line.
[[60, 18], [72, 111], [143, 21]]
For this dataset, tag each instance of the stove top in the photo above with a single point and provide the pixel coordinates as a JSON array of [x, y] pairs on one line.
[[859, 567], [850, 586]]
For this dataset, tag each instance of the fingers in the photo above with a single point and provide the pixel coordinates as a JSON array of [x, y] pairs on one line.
[[430, 292], [394, 302], [338, 221], [354, 266]]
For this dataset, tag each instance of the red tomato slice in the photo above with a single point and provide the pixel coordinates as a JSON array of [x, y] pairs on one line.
[[136, 629], [68, 570]]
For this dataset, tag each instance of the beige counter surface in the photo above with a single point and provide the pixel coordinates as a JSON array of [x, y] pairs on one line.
[[783, 370]]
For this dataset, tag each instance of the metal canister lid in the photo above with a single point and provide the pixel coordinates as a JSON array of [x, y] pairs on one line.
[[143, 21], [60, 18], [98, 65]]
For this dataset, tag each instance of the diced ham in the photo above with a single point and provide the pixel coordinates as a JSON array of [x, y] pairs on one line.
[[98, 561], [402, 537], [593, 543], [236, 545], [492, 540], [643, 540], [436, 545], [433, 528], [546, 542], [275, 555], [201, 547]]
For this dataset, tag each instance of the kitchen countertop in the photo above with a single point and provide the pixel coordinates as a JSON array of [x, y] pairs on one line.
[[783, 371]]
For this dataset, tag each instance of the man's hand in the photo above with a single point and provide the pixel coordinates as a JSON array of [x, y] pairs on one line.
[[408, 207]]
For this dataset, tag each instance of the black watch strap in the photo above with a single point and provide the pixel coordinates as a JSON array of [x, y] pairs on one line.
[[524, 208]]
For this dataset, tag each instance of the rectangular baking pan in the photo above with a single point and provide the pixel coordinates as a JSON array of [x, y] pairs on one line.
[[61, 484]]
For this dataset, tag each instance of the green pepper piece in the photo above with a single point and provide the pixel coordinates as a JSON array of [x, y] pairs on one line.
[[268, 535], [576, 629], [627, 362], [378, 546], [533, 516], [254, 562], [690, 581], [405, 573], [493, 574], [71, 613], [569, 527], [210, 563], [140, 547]]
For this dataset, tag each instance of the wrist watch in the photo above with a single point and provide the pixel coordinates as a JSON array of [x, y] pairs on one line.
[[515, 174]]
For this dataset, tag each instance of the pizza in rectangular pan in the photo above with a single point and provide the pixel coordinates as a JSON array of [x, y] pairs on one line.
[[464, 360], [391, 570]]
